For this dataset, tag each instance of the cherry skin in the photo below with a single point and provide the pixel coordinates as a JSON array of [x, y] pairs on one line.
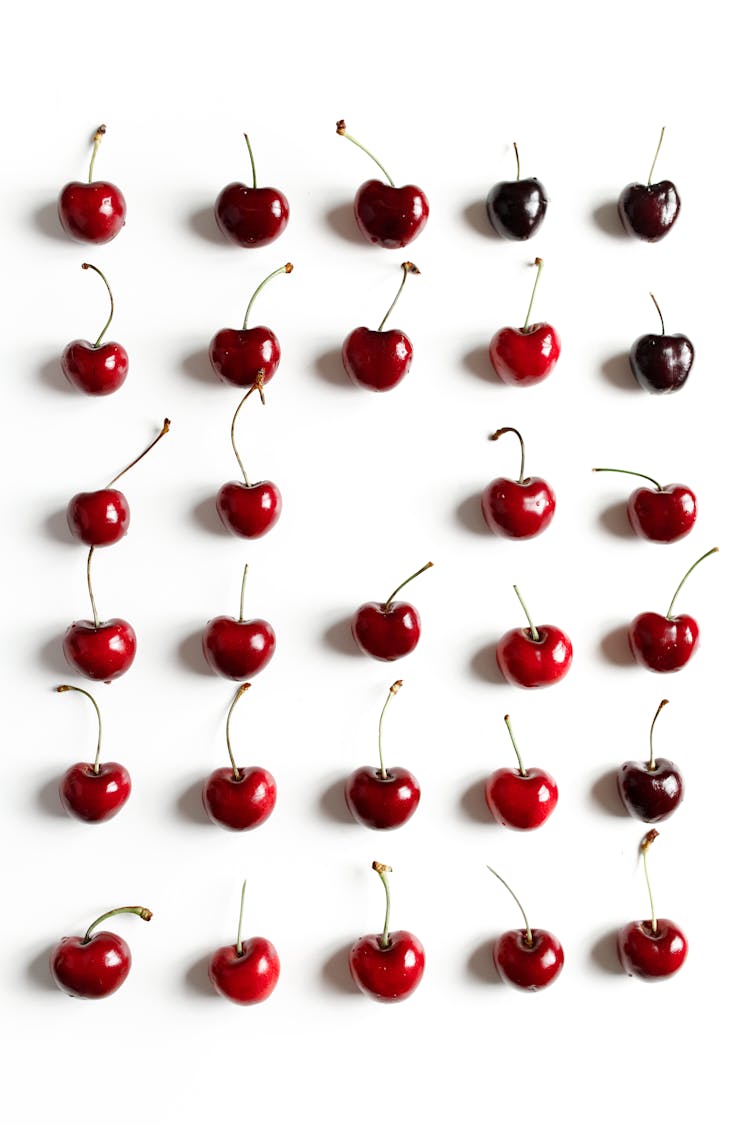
[[654, 949], [520, 799], [517, 509], [93, 791], [93, 211], [101, 651], [652, 790], [94, 966], [534, 657], [524, 357], [245, 509], [662, 514], [239, 797], [242, 356], [99, 518], [248, 977], [387, 967], [378, 360], [378, 797], [529, 959], [661, 364], [251, 216], [385, 214], [99, 368], [238, 648], [388, 630], [649, 211], [665, 644], [516, 208]]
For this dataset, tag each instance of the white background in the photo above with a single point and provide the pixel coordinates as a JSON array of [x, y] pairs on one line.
[[373, 487]]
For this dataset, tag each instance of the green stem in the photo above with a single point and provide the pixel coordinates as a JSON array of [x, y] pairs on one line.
[[70, 687], [511, 430], [630, 473], [382, 869], [651, 761], [245, 397], [528, 939], [91, 592], [411, 577], [515, 747], [646, 843], [692, 568], [242, 594], [661, 318], [532, 626], [252, 159], [391, 692], [518, 161], [539, 264], [239, 924], [100, 337], [142, 912], [651, 173], [407, 267], [282, 269], [164, 430], [341, 130], [240, 691], [97, 141]]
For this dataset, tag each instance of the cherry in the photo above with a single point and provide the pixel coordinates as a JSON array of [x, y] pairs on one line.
[[96, 369], [665, 644], [386, 215], [382, 798], [239, 356], [251, 216], [388, 630], [661, 364], [517, 207], [649, 211], [525, 356], [248, 971], [95, 211], [521, 798], [93, 792], [236, 648], [248, 510], [534, 657], [101, 650], [528, 959], [103, 517], [387, 966], [652, 790], [664, 515], [94, 966], [375, 359], [518, 509], [239, 797], [654, 949]]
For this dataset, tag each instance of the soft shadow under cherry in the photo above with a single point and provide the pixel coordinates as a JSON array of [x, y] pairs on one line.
[[52, 657], [607, 218], [198, 366], [38, 972], [605, 795], [55, 527], [616, 649], [203, 223], [480, 965], [207, 517], [197, 980], [473, 805], [46, 221], [604, 954], [190, 654], [332, 803], [335, 972], [614, 519], [469, 515], [616, 370], [51, 376], [330, 369], [483, 665], [477, 361], [189, 804], [340, 220], [339, 637], [475, 217], [48, 799]]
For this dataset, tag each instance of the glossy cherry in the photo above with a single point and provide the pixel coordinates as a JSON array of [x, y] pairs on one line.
[[517, 207], [525, 356], [534, 657], [652, 790], [248, 510], [238, 648], [661, 364], [522, 798], [527, 959], [664, 513], [98, 368], [380, 797], [251, 216], [101, 650], [656, 948], [95, 965], [248, 971], [93, 791], [665, 644], [649, 211], [388, 966], [517, 509], [375, 359], [93, 211], [243, 356], [386, 215], [239, 797], [388, 630]]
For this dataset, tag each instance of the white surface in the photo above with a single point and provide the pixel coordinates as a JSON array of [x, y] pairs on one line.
[[372, 488]]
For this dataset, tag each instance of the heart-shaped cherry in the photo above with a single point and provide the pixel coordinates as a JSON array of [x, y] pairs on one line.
[[518, 509], [661, 364], [94, 965], [101, 650], [382, 798], [664, 513], [245, 509], [94, 211], [375, 359], [96, 369], [386, 215], [656, 948], [665, 644], [236, 648], [240, 356], [525, 356], [103, 517], [521, 798], [388, 630], [248, 971], [239, 797], [387, 966], [534, 657], [517, 207], [649, 211], [251, 216], [93, 791], [651, 790], [527, 959]]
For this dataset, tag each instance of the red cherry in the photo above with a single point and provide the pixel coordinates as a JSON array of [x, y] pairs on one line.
[[101, 650], [662, 514], [94, 792], [239, 356], [96, 369], [665, 644], [654, 949], [527, 959], [388, 630], [661, 364], [240, 797], [525, 356], [382, 798], [378, 360], [93, 967], [388, 966], [518, 509], [94, 211], [521, 798], [248, 510], [236, 648], [248, 971], [534, 657], [652, 790], [251, 216]]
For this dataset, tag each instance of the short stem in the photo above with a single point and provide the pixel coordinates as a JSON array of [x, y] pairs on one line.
[[70, 687], [100, 337], [692, 568], [245, 397], [630, 473], [164, 430], [532, 626], [242, 911], [407, 267], [391, 692], [142, 912], [651, 173], [528, 939], [341, 130], [91, 592], [518, 161], [282, 269], [409, 579], [651, 761], [646, 843], [511, 430], [515, 747], [252, 159], [240, 691], [97, 141], [539, 264], [242, 594], [382, 869], [661, 318]]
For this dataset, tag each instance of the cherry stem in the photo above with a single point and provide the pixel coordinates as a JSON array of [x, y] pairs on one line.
[[242, 911], [646, 843], [88, 266], [661, 318], [164, 430], [257, 386], [415, 575], [70, 687], [391, 692], [518, 161], [91, 592], [240, 691], [142, 912], [341, 130], [382, 869], [651, 761], [518, 754], [630, 473], [511, 430], [97, 139], [242, 593], [532, 626], [661, 138], [692, 568], [407, 267], [528, 939], [538, 263], [282, 269], [252, 159]]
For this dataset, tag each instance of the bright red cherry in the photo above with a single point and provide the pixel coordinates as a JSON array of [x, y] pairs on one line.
[[251, 216], [660, 363], [653, 949], [382, 798], [244, 356], [237, 648], [665, 644], [94, 966], [248, 971], [517, 509], [387, 966], [525, 356], [664, 513], [101, 650], [534, 657], [386, 215], [649, 211], [527, 959], [388, 630], [652, 790], [96, 369], [94, 792], [239, 797], [248, 510], [378, 360], [95, 211], [521, 798]]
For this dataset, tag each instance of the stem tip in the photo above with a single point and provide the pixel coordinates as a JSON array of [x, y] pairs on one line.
[[381, 868], [648, 840], [341, 127]]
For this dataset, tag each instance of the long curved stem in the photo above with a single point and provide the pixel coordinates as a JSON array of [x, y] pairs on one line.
[[532, 626], [91, 592], [661, 318], [382, 869], [70, 687], [409, 579], [528, 939], [242, 594], [407, 267], [539, 264], [239, 924], [646, 843], [630, 473], [518, 161], [100, 337], [391, 692], [252, 159], [692, 568], [511, 430], [282, 269], [651, 173], [240, 691], [97, 140], [651, 761], [341, 130], [164, 430], [142, 912], [245, 397], [521, 767]]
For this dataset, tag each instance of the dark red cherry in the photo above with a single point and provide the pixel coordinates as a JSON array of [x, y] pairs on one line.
[[243, 356], [93, 211], [251, 216], [386, 215]]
